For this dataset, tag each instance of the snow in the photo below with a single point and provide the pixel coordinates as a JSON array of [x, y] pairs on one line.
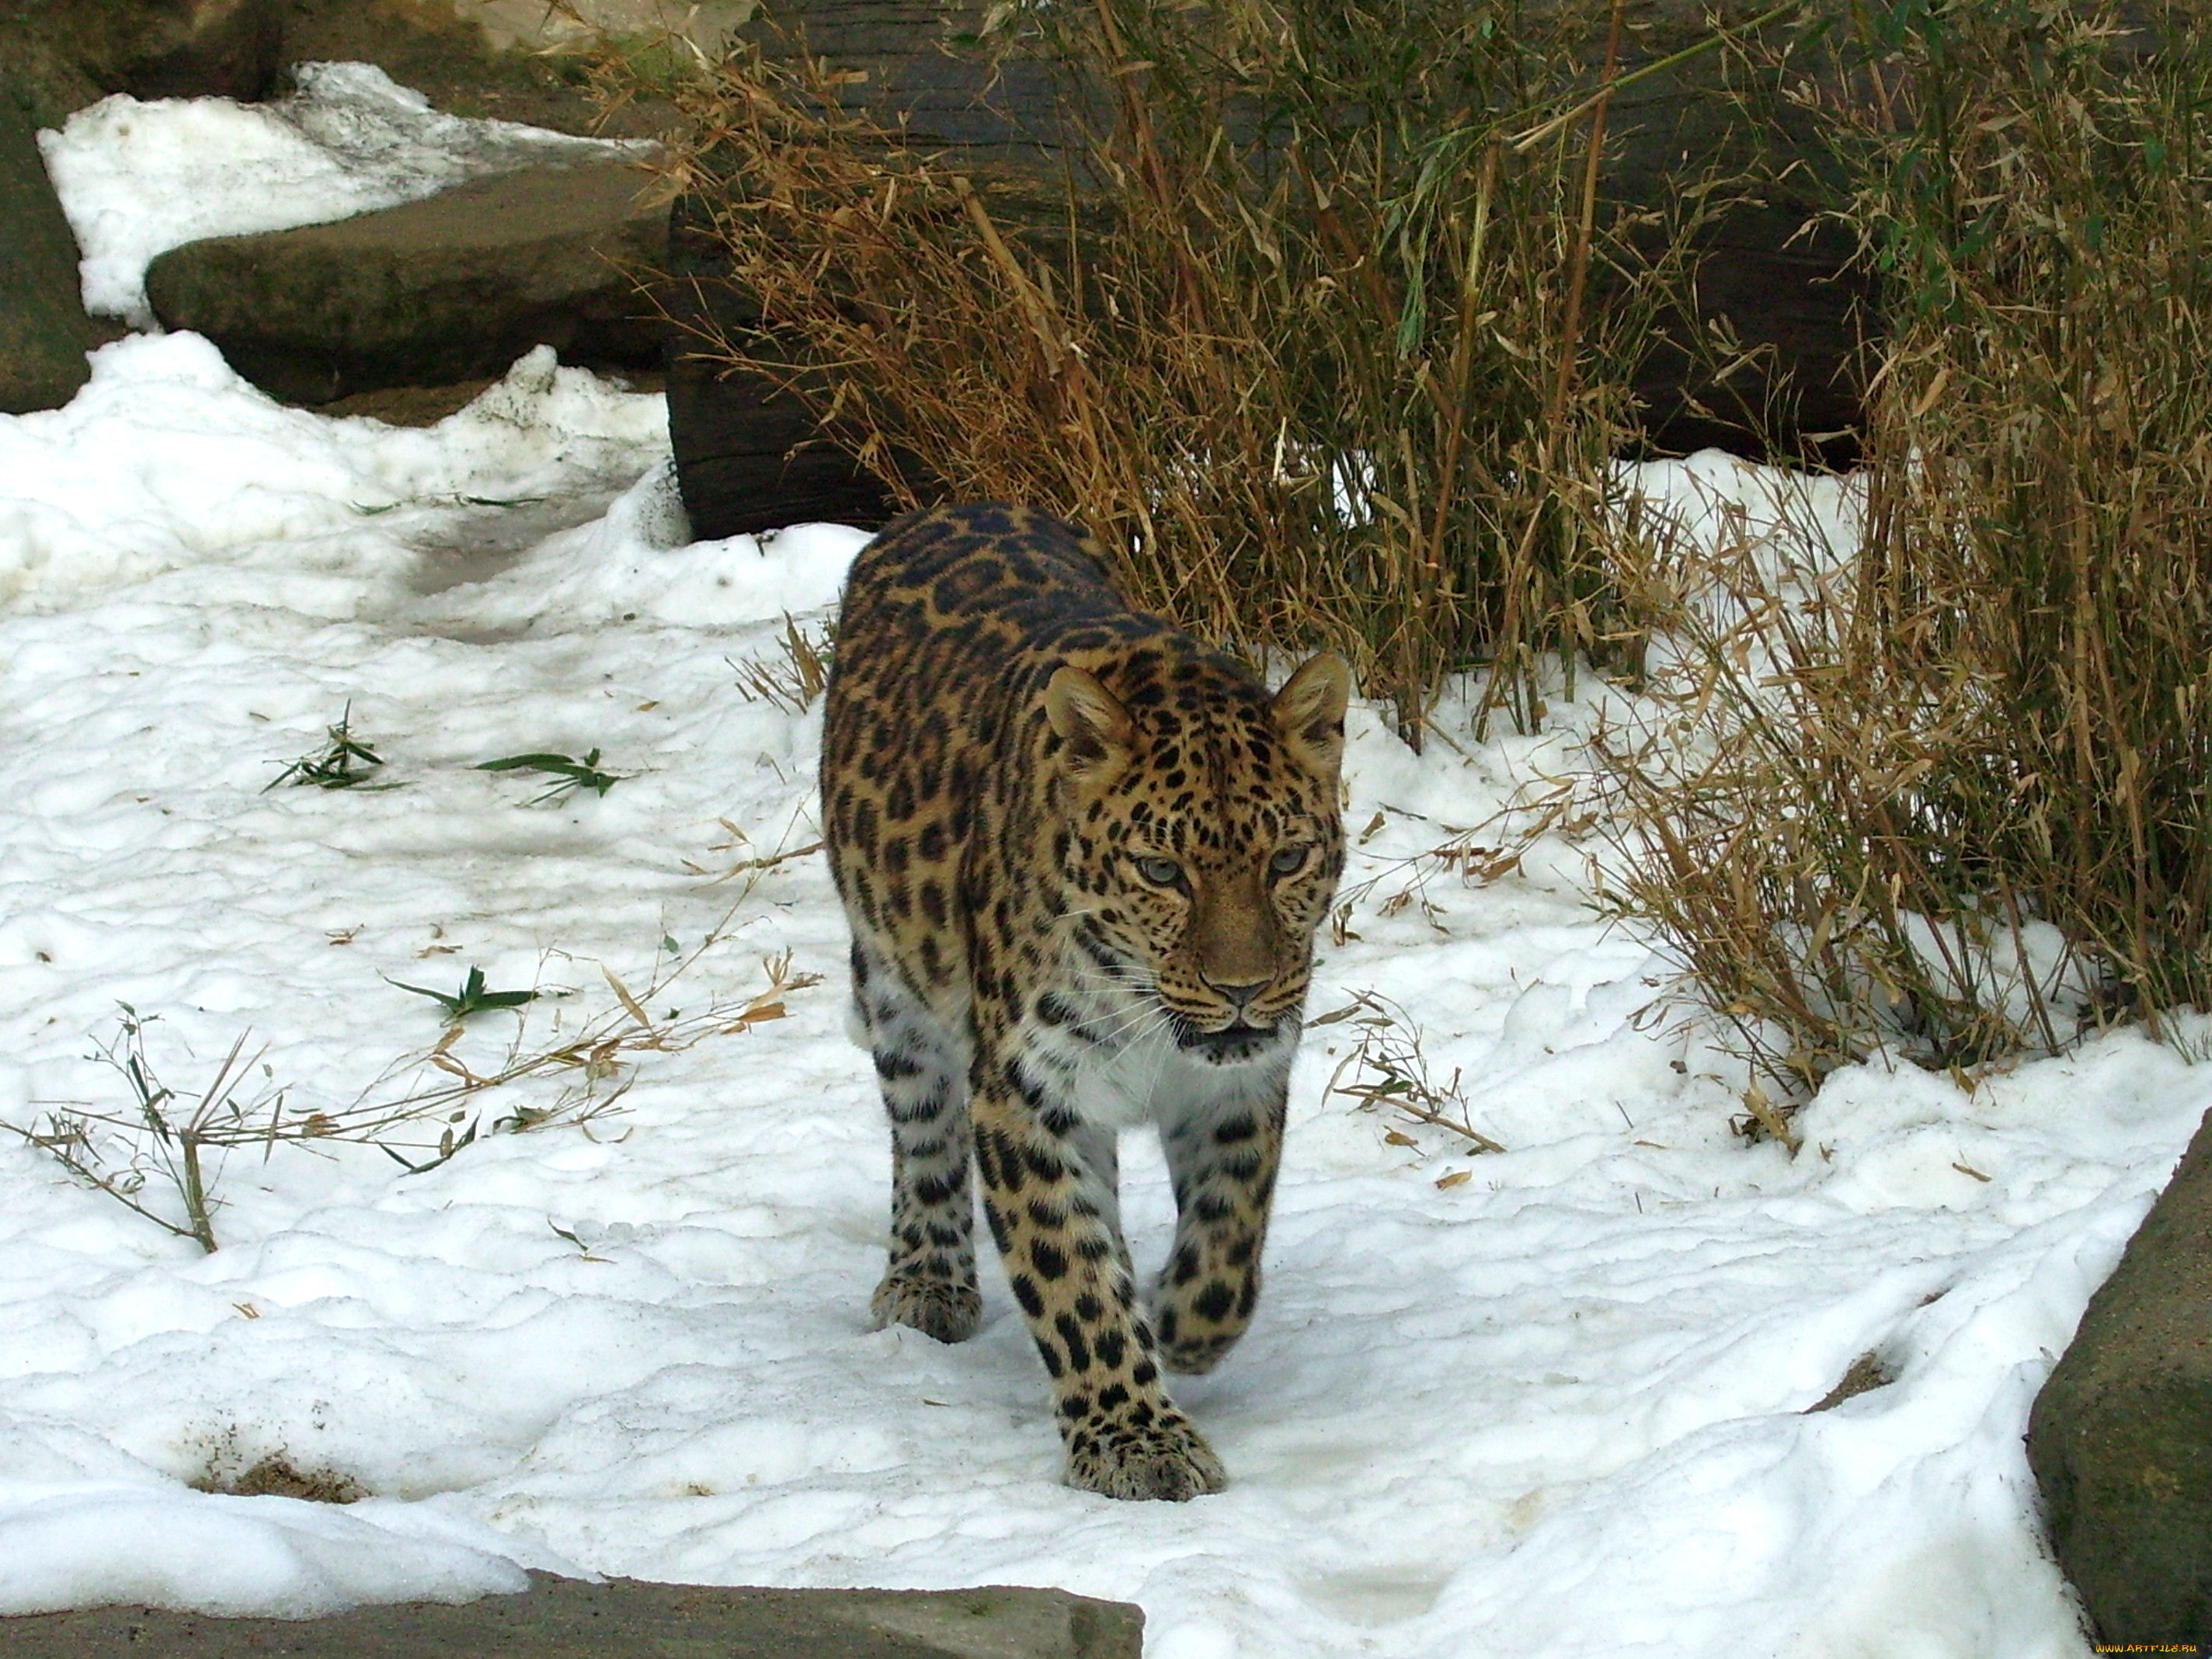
[[1553, 1401]]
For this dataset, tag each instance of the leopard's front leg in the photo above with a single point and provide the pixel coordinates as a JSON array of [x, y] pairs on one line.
[[1124, 1437], [1222, 1157]]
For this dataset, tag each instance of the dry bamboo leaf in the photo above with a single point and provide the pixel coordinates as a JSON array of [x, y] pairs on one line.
[[629, 1002], [1768, 1118]]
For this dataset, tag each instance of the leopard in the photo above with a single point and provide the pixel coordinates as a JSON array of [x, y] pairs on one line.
[[1084, 858]]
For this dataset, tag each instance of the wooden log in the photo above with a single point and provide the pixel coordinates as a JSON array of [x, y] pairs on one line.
[[749, 458]]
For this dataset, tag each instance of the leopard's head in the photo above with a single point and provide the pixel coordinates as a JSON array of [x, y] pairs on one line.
[[1200, 836]]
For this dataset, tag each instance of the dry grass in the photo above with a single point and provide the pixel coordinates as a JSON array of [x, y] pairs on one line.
[[1391, 1071], [160, 1155], [797, 675], [1951, 798], [1310, 335], [276, 1473]]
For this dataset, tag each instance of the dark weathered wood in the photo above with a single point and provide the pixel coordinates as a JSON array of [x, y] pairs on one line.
[[1788, 296], [1772, 274], [922, 66], [748, 456]]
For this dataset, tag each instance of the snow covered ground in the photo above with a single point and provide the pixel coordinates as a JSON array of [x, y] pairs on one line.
[[1548, 1401]]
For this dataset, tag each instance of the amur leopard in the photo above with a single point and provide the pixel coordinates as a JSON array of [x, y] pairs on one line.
[[1084, 858]]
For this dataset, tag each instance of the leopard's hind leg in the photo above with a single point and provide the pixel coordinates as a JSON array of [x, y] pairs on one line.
[[922, 1066]]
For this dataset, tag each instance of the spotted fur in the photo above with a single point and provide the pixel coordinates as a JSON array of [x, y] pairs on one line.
[[1082, 858]]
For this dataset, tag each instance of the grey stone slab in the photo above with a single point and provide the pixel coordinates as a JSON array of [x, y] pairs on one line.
[[621, 1618], [433, 292], [2121, 1437]]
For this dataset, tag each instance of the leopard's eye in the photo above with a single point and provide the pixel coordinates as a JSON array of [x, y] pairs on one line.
[[1288, 860], [1161, 872]]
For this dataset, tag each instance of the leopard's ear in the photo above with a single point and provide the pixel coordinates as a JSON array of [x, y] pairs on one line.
[[1310, 710], [1090, 721]]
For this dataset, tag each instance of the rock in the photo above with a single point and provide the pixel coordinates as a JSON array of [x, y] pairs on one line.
[[462, 57], [43, 331], [202, 49], [64, 54], [2120, 1439], [533, 26], [468, 56], [433, 292], [621, 1619]]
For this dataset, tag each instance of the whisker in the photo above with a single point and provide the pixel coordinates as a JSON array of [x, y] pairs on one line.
[[1138, 1023], [1145, 983], [1124, 1016]]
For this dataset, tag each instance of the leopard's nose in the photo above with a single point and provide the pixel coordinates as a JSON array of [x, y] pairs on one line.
[[1238, 992]]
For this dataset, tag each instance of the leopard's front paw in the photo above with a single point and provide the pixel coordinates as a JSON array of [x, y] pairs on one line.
[[1165, 1458], [948, 1309]]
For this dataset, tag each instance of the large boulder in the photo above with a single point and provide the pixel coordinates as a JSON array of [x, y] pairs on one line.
[[56, 56], [2121, 1437], [63, 54], [433, 292], [512, 59], [43, 331], [621, 1619], [200, 49]]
